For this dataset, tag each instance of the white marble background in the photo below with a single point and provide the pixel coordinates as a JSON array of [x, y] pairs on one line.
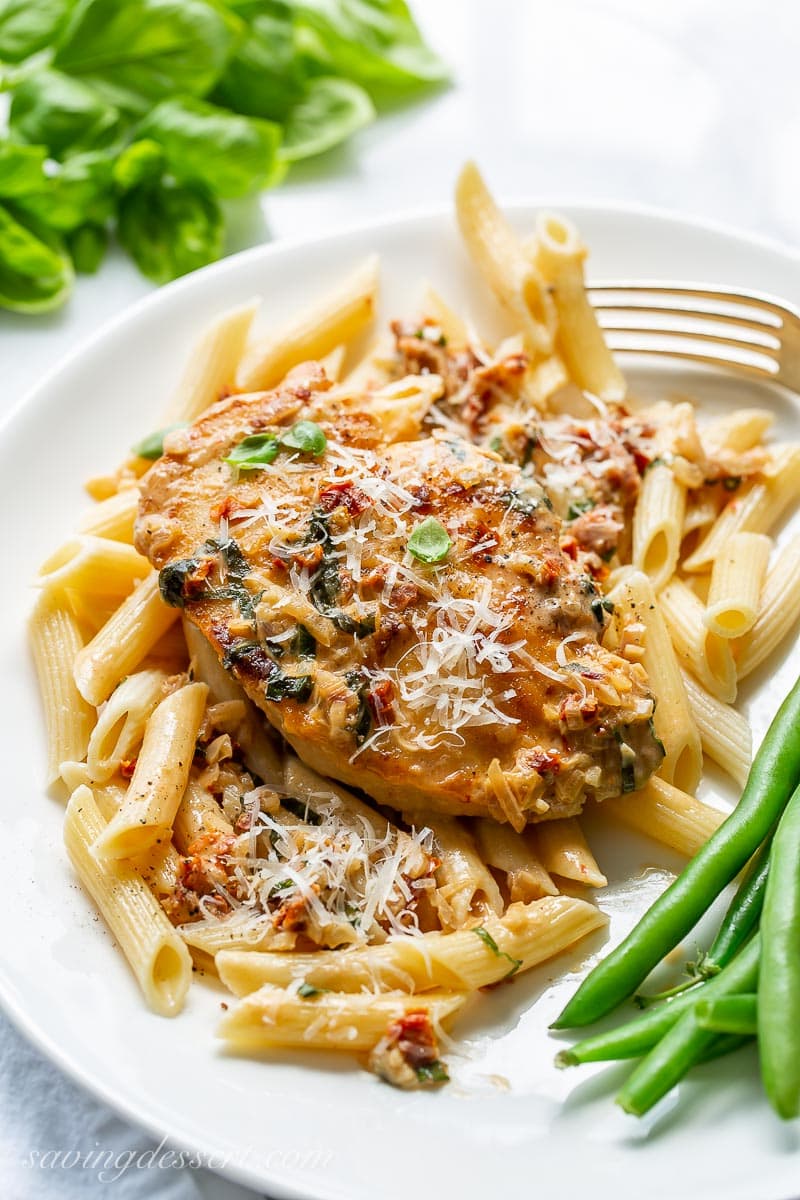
[[691, 105]]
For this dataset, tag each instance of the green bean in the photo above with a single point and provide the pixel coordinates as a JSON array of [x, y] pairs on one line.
[[728, 1014], [724, 1043], [686, 1043], [779, 984], [637, 1037], [738, 923], [773, 776]]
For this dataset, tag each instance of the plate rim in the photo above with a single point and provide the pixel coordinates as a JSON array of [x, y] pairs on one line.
[[169, 1128]]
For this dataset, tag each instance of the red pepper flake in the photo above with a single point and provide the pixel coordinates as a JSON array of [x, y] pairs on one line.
[[344, 495]]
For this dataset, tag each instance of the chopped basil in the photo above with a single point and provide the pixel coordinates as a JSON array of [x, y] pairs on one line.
[[300, 808], [305, 436], [307, 990], [290, 687], [658, 461], [361, 628], [362, 722], [599, 609], [496, 444], [254, 452], [627, 763], [152, 446], [432, 1072], [487, 938], [430, 542], [281, 886], [579, 506], [303, 645], [172, 581], [235, 562]]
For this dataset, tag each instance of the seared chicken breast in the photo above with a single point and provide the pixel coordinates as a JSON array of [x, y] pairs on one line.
[[398, 604]]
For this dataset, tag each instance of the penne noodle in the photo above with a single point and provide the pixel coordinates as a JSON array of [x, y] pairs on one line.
[[95, 565], [739, 430], [724, 733], [113, 517], [157, 956], [499, 256], [465, 887], [56, 642], [708, 656], [514, 854], [527, 934], [658, 524], [667, 815], [121, 724], [736, 579], [559, 255], [198, 814], [159, 778], [333, 320], [210, 372], [564, 851], [636, 612], [330, 1021], [779, 611], [756, 507], [121, 644]]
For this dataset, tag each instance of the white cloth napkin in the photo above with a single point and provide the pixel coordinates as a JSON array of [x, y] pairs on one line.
[[56, 1141]]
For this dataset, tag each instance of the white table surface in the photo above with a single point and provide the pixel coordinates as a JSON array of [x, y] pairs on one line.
[[690, 105]]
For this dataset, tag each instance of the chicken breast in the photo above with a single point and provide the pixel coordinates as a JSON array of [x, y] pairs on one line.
[[401, 610]]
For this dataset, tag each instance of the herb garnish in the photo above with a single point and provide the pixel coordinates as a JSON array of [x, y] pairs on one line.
[[152, 446], [487, 938], [432, 1072], [305, 436], [430, 542], [254, 452], [307, 990]]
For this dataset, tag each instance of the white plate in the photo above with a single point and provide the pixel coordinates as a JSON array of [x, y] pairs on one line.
[[320, 1127]]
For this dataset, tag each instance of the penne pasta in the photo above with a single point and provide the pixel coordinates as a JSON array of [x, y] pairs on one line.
[[564, 851], [724, 733], [736, 579], [465, 887], [658, 524], [159, 778], [56, 642], [779, 611], [756, 508], [121, 724], [333, 320], [113, 517], [640, 622], [705, 654], [739, 430], [211, 370], [515, 855], [559, 255], [93, 565], [157, 956], [501, 259], [331, 1021], [198, 815], [527, 934], [121, 644], [667, 815]]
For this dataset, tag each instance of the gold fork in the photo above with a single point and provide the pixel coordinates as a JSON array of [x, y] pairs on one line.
[[747, 332]]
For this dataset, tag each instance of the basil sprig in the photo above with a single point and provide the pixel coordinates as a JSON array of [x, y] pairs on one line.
[[430, 542]]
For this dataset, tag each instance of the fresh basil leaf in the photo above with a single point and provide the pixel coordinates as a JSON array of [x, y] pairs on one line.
[[63, 114], [290, 687], [372, 42], [266, 75], [308, 991], [21, 169], [305, 436], [430, 542], [27, 26], [254, 452], [329, 112], [152, 446], [35, 273], [489, 941], [80, 190], [88, 245], [140, 162], [169, 230], [145, 50], [432, 1072], [230, 153]]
